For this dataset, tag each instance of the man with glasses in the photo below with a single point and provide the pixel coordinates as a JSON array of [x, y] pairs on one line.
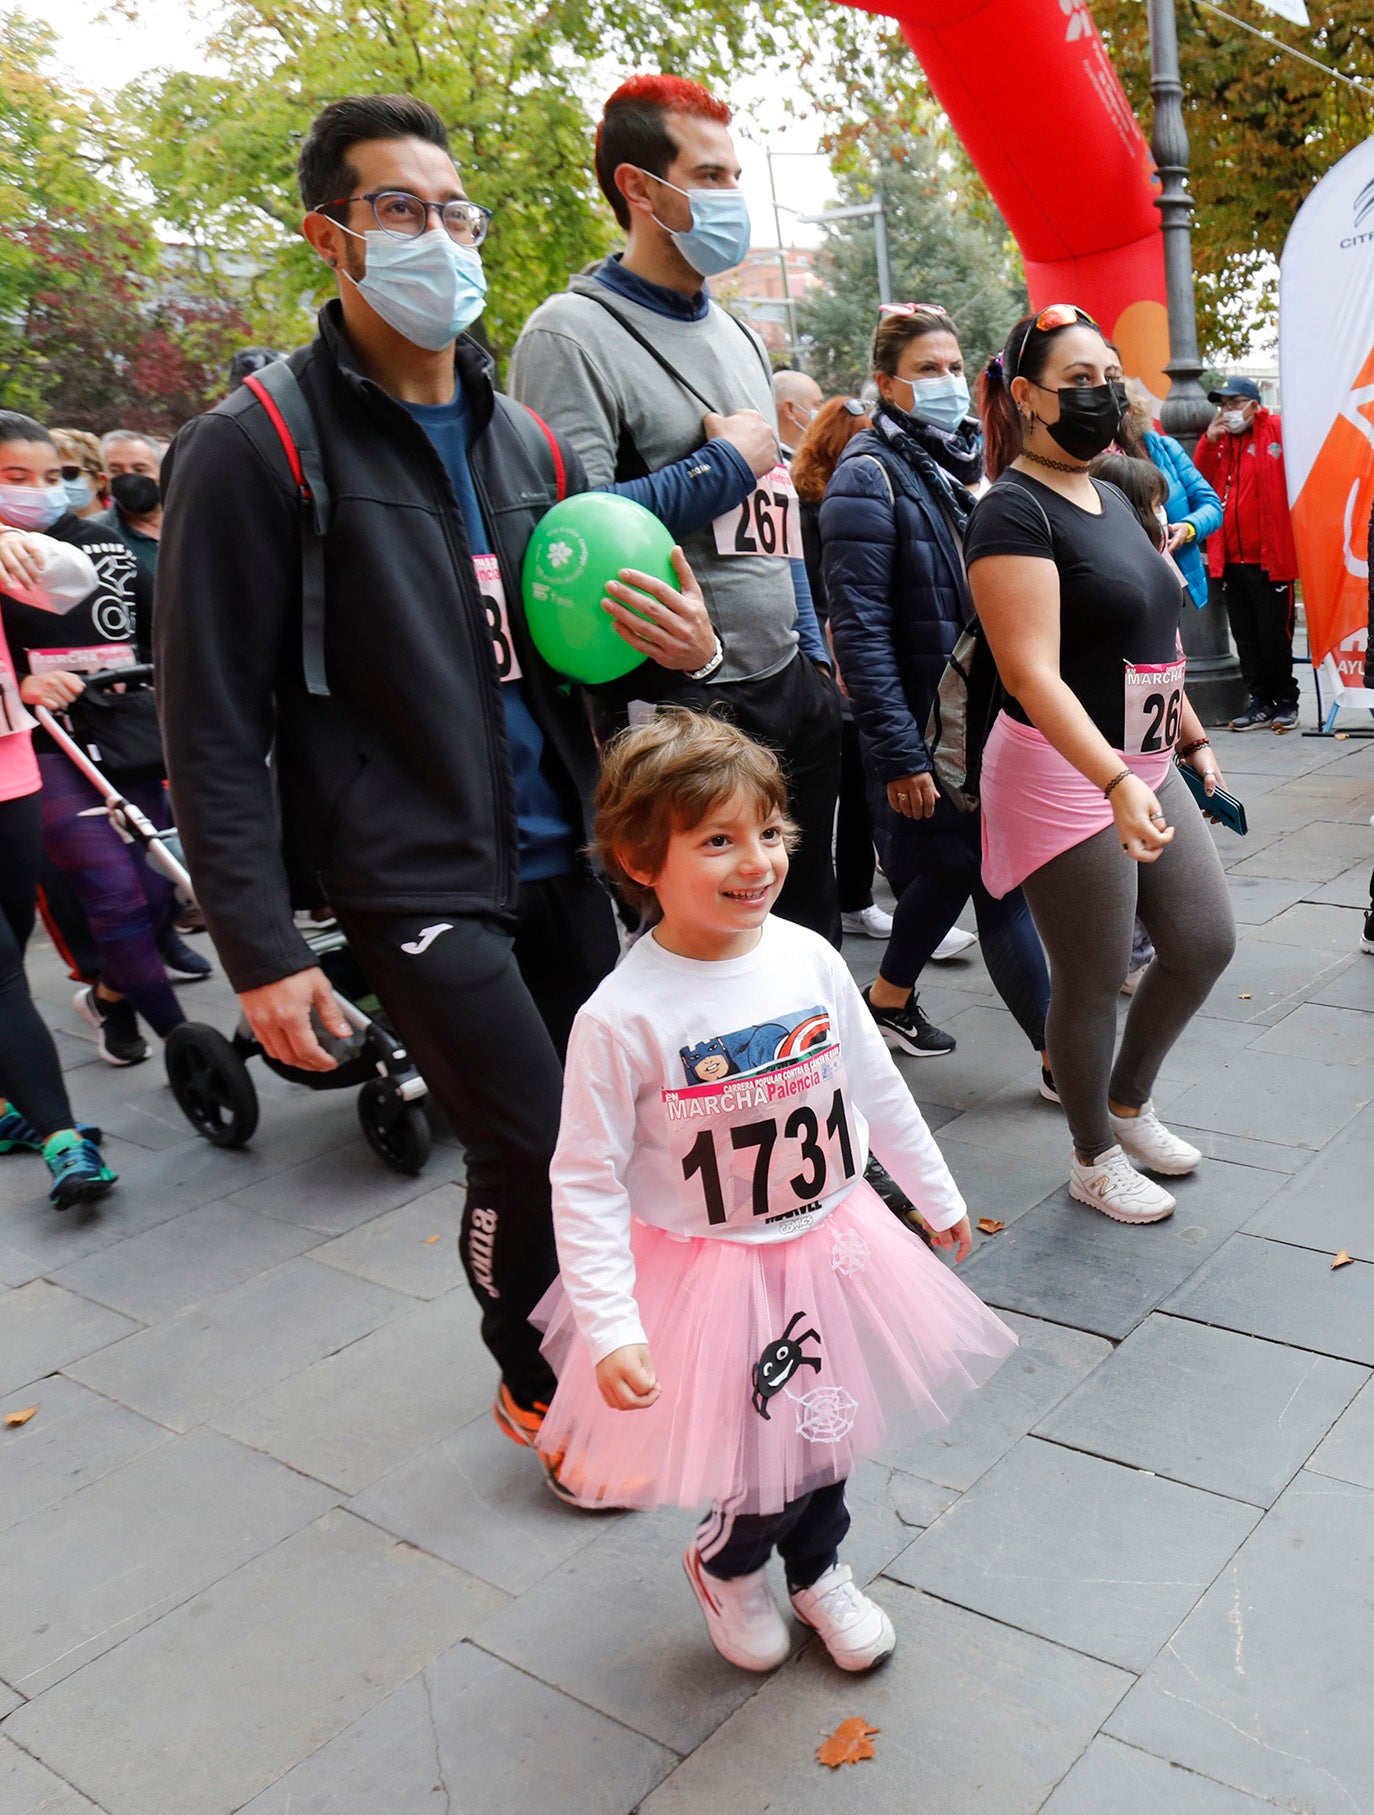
[[433, 781]]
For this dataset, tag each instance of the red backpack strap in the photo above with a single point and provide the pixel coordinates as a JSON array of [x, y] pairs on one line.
[[278, 391], [560, 471], [539, 439]]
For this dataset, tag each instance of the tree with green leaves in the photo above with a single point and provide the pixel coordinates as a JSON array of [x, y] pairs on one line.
[[946, 244], [1264, 126]]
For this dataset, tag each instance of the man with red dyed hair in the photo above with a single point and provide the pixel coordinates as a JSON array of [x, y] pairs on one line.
[[666, 396]]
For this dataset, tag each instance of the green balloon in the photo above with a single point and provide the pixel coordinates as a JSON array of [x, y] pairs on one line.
[[576, 547]]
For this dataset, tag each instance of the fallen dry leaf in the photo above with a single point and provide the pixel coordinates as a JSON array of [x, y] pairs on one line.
[[430, 1240], [1246, 996], [847, 1744], [12, 1419], [1341, 736], [1341, 1260], [990, 1225]]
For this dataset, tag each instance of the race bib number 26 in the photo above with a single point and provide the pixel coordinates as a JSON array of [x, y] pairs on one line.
[[766, 523], [1153, 707]]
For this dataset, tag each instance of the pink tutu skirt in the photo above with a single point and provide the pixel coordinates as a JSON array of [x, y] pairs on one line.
[[779, 1363]]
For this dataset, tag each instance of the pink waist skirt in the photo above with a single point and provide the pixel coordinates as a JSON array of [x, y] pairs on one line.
[[779, 1363], [1036, 805]]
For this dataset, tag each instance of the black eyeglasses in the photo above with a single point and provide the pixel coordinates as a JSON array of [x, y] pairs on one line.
[[405, 216]]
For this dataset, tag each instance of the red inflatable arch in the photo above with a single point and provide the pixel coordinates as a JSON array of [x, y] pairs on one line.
[[1031, 92]]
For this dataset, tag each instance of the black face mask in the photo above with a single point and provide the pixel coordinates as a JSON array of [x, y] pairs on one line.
[[1089, 418], [136, 494]]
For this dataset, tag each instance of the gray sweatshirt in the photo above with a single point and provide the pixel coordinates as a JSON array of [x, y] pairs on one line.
[[575, 366]]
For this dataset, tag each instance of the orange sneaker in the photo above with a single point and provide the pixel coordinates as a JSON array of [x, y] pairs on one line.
[[520, 1426]]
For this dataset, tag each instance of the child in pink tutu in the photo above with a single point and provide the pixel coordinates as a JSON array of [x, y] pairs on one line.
[[738, 1314]]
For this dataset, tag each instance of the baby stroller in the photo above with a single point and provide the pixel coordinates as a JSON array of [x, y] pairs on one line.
[[208, 1073]]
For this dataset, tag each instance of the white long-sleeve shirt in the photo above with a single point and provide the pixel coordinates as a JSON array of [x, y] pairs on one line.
[[736, 1099]]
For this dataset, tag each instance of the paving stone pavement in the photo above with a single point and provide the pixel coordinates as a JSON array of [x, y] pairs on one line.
[[262, 1548]]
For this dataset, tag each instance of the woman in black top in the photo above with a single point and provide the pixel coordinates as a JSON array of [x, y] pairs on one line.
[[1080, 804]]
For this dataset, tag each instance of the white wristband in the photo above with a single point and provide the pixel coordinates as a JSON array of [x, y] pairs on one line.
[[705, 672]]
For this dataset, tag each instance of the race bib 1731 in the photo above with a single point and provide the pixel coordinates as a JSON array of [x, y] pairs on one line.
[[493, 591], [766, 523], [1153, 707], [766, 1143]]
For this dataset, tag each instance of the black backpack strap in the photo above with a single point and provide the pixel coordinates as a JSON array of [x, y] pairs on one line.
[[652, 350], [539, 442], [278, 391]]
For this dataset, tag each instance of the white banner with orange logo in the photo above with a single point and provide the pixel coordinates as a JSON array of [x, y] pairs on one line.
[[1326, 362]]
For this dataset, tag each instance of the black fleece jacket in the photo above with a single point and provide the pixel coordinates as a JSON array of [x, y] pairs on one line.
[[395, 792]]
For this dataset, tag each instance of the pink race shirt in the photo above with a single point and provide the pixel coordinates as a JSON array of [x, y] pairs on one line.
[[18, 764]]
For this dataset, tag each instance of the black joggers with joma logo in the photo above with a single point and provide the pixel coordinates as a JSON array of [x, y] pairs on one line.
[[485, 1009]]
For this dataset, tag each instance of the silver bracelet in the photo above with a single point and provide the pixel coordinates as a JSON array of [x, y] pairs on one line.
[[705, 672]]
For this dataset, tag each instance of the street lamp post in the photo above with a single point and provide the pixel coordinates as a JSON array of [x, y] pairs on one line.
[[876, 210], [1214, 680]]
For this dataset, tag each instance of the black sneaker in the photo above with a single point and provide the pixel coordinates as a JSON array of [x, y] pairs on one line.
[[911, 1029], [181, 963], [1367, 941], [1285, 718], [1254, 718], [120, 1042]]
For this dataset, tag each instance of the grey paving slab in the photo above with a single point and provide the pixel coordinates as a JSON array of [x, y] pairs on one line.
[[644, 1657], [1266, 1686], [1329, 1205], [1127, 1781], [1348, 1451], [1342, 1036], [337, 1190], [9, 1700], [1327, 795], [1276, 1097], [74, 1438], [479, 1501], [991, 1053], [202, 1712], [1350, 889], [355, 1415], [486, 1738], [974, 1719], [1314, 853], [1255, 899], [1263, 976], [1050, 1362], [1263, 1156], [1286, 1294], [1204, 1050], [398, 1248], [209, 1357], [1210, 1407], [83, 1575], [1095, 1556], [1316, 926], [1350, 987], [154, 1275], [1000, 1184], [1018, 1121], [29, 1788], [44, 1327], [1072, 1265]]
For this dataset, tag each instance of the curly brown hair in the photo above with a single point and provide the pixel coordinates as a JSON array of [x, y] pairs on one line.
[[835, 425], [665, 777]]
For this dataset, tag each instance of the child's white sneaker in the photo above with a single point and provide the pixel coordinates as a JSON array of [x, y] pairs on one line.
[[854, 1630], [742, 1618], [1151, 1145], [1111, 1184]]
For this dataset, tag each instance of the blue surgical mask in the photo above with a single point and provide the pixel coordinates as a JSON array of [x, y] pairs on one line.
[[718, 238], [35, 507], [943, 401], [428, 288], [78, 492]]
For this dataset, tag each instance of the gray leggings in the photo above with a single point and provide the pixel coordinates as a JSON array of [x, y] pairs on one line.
[[1084, 903]]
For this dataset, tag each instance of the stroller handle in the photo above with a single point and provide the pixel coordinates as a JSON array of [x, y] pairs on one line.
[[141, 673]]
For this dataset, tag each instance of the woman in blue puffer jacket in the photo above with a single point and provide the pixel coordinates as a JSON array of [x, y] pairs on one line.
[[891, 533], [1192, 507]]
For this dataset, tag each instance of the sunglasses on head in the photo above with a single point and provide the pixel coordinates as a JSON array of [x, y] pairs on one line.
[[854, 407], [912, 309]]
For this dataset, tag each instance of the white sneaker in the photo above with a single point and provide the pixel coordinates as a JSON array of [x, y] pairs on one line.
[[854, 1630], [1111, 1184], [1133, 977], [954, 944], [1151, 1145], [742, 1618], [869, 923]]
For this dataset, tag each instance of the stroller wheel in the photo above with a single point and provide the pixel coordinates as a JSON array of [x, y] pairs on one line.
[[211, 1084], [397, 1131]]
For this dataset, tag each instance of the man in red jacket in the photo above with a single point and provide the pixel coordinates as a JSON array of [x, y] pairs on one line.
[[1252, 554]]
